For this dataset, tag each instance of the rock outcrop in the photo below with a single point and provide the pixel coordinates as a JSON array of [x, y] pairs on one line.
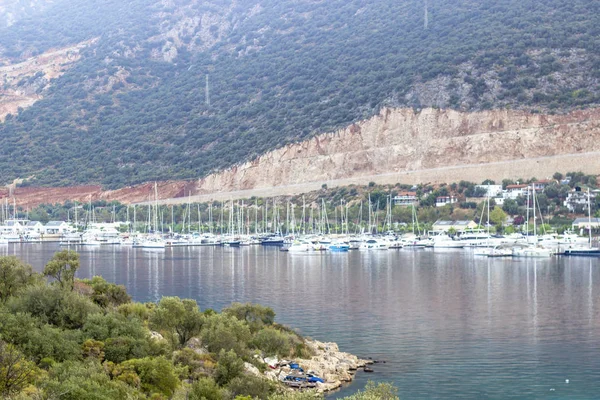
[[329, 363], [400, 141]]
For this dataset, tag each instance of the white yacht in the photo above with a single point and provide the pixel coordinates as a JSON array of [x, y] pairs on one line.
[[374, 244]]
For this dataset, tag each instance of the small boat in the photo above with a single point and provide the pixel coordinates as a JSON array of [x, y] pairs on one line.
[[583, 251], [300, 246], [374, 244], [493, 252], [531, 251], [339, 246], [272, 241]]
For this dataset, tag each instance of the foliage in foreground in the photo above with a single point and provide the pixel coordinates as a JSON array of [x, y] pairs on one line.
[[84, 339]]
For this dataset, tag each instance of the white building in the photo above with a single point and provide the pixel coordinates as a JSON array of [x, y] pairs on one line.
[[12, 227], [490, 190], [35, 227], [441, 201], [584, 223], [406, 199], [514, 191], [579, 198], [57, 228]]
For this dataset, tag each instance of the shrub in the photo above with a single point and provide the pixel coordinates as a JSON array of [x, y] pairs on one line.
[[230, 366], [250, 385], [207, 389], [157, 375]]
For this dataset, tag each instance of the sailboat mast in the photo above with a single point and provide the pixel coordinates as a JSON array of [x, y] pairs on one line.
[[589, 218]]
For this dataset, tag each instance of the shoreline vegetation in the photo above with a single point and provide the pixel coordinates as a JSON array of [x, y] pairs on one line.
[[68, 338]]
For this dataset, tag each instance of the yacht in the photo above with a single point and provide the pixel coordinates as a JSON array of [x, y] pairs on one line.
[[374, 244]]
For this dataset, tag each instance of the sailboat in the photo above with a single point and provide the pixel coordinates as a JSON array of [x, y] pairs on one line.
[[154, 241], [588, 251], [532, 249], [491, 250]]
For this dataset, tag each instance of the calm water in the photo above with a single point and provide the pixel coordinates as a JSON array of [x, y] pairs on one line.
[[449, 325]]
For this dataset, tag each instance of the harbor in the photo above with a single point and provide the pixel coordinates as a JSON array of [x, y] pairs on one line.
[[447, 323]]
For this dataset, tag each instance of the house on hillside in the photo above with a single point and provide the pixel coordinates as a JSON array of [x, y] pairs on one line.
[[514, 191], [458, 226], [579, 199], [406, 199], [540, 185], [441, 201], [490, 190]]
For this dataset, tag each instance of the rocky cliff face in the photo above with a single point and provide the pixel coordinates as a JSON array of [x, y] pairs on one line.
[[403, 141]]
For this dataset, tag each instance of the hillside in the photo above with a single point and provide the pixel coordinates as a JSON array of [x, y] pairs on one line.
[[132, 106]]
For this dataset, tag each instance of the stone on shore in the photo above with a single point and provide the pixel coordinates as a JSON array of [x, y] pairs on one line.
[[328, 362]]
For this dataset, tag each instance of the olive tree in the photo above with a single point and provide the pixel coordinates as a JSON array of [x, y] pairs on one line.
[[62, 267], [14, 276], [178, 319]]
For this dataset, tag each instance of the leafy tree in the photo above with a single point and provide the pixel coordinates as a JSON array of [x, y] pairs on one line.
[[16, 372], [230, 366], [255, 315], [251, 386], [222, 332], [207, 389], [101, 326], [62, 267], [77, 380], [157, 375], [14, 276], [497, 216], [272, 342], [506, 182], [55, 306], [373, 391], [180, 319], [197, 365], [510, 206], [93, 349], [107, 294]]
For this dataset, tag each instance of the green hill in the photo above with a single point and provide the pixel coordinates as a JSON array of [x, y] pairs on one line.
[[134, 107]]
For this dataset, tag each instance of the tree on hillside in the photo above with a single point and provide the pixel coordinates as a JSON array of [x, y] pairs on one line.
[[16, 372], [178, 319], [14, 276], [497, 216], [62, 267]]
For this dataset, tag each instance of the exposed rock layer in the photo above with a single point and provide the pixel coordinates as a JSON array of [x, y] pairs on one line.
[[398, 145], [402, 140]]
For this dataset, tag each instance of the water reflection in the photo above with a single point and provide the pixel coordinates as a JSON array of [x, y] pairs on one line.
[[449, 324]]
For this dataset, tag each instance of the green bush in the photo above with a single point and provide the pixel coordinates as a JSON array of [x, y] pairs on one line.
[[252, 386], [157, 375], [222, 332], [230, 366], [207, 389]]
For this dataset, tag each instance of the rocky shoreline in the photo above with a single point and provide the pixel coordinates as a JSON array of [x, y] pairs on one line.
[[329, 363]]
